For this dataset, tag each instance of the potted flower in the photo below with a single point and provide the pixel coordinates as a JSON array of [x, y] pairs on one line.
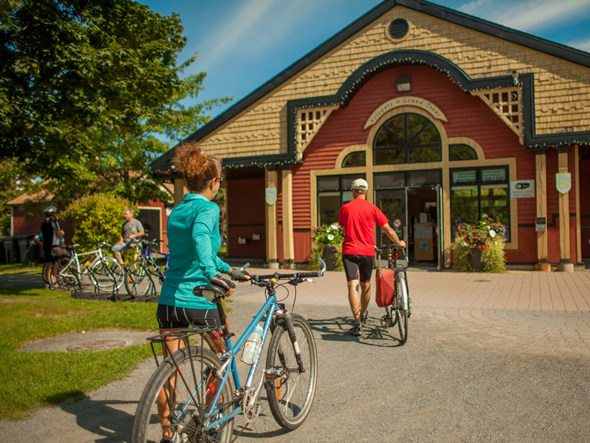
[[481, 247], [327, 244]]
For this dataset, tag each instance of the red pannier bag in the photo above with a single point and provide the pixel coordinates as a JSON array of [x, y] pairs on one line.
[[385, 292]]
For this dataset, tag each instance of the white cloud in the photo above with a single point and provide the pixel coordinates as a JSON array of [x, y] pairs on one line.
[[526, 15], [584, 45], [252, 28]]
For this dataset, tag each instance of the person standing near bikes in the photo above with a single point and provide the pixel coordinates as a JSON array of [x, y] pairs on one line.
[[130, 231], [193, 241], [358, 218], [52, 233]]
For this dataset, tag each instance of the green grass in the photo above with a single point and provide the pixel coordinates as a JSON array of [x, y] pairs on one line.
[[21, 268], [30, 380]]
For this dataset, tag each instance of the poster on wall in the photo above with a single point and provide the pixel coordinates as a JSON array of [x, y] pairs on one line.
[[522, 188]]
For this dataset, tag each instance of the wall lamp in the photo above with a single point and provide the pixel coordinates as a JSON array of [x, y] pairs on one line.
[[404, 84]]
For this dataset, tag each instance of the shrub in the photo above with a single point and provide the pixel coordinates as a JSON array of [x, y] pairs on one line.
[[326, 235], [488, 236], [97, 218]]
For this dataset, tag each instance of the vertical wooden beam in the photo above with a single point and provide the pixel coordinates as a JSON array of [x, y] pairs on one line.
[[178, 190], [578, 217], [288, 240], [564, 218], [541, 193], [272, 247]]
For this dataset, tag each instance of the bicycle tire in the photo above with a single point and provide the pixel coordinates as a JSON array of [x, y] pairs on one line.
[[146, 425], [46, 265], [137, 280], [290, 394], [401, 315], [107, 273]]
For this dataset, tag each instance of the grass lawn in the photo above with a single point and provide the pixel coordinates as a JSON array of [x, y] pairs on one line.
[[21, 268], [29, 380]]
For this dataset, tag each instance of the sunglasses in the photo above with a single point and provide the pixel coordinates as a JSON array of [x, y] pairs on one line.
[[218, 178]]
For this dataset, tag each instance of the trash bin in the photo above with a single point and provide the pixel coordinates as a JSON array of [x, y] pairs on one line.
[[9, 249], [2, 252], [26, 251]]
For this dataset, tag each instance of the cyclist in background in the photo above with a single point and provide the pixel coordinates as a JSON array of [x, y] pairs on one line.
[[51, 233], [358, 218], [131, 230]]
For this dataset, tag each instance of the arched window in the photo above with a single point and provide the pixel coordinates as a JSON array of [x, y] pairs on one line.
[[462, 152], [354, 159], [407, 138]]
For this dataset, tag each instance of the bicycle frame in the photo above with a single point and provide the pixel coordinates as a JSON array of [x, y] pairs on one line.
[[96, 256], [147, 256]]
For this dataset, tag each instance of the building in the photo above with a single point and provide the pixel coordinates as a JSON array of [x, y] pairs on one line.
[[444, 114]]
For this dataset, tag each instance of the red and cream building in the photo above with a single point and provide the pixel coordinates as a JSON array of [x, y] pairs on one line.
[[448, 118]]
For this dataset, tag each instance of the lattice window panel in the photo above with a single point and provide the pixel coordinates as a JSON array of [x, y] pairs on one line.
[[506, 103], [309, 122]]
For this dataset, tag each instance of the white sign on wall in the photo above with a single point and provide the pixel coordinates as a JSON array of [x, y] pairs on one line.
[[522, 188]]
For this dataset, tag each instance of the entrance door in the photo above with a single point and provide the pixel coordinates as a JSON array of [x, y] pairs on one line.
[[392, 203]]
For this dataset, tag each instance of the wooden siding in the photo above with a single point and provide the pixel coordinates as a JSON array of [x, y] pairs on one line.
[[562, 88], [585, 205]]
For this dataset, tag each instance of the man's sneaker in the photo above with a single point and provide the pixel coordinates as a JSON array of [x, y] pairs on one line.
[[364, 318], [355, 330]]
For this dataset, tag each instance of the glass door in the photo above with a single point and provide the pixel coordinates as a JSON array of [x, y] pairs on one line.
[[392, 203]]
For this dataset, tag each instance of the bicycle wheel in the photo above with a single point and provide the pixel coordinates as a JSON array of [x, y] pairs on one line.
[[107, 274], [67, 275], [137, 280], [183, 405], [401, 315], [290, 391]]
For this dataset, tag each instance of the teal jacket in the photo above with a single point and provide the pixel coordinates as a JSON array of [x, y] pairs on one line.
[[193, 240]]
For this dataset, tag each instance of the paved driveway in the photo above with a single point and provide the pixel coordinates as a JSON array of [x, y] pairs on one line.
[[489, 358]]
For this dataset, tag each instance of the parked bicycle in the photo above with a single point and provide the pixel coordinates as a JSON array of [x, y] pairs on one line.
[[199, 393], [104, 273], [398, 312], [143, 276]]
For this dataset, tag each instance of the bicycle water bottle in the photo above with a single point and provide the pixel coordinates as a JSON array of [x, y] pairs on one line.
[[252, 345]]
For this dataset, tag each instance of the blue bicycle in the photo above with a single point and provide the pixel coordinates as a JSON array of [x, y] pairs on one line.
[[198, 393], [143, 276]]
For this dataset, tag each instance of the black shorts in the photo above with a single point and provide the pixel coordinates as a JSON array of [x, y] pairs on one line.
[[49, 257], [358, 267], [170, 317]]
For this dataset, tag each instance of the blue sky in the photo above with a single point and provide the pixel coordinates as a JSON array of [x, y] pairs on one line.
[[244, 43]]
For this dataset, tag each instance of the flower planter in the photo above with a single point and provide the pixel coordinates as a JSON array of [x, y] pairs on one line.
[[330, 257], [475, 259]]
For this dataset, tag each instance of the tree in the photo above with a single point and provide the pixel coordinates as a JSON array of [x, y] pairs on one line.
[[8, 191], [84, 85], [97, 218]]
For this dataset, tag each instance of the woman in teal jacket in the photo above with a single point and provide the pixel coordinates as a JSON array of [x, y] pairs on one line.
[[193, 241]]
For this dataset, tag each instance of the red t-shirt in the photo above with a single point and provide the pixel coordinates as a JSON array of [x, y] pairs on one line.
[[358, 218]]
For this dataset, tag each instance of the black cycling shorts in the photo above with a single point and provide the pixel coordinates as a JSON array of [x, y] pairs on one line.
[[358, 267], [171, 317], [49, 257]]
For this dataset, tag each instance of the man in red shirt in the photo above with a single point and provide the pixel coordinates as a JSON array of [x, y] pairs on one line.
[[358, 218]]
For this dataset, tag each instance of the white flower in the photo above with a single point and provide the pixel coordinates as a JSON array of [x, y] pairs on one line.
[[489, 228], [330, 237], [464, 244], [328, 229], [492, 233], [334, 225]]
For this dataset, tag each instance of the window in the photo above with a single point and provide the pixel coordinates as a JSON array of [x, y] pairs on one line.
[[429, 177], [333, 192], [462, 152], [354, 159], [479, 191], [406, 138]]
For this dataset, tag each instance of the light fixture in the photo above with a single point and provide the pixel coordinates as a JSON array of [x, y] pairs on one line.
[[404, 84]]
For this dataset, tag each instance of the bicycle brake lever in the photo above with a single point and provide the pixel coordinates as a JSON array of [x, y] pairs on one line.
[[309, 280]]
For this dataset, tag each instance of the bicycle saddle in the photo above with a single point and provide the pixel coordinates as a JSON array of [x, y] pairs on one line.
[[210, 292]]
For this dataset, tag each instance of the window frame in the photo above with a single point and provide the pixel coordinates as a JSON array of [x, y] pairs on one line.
[[478, 182], [340, 190]]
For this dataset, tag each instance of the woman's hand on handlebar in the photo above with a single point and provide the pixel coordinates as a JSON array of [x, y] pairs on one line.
[[239, 275]]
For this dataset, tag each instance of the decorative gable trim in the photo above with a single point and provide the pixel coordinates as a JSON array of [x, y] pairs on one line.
[[561, 51], [507, 104], [309, 122]]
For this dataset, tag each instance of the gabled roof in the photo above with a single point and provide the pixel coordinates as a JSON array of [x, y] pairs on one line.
[[518, 37]]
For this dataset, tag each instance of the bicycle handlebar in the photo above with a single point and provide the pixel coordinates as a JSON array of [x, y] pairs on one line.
[[391, 246], [297, 276]]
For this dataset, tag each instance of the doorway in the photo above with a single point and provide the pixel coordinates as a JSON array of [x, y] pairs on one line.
[[413, 213]]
